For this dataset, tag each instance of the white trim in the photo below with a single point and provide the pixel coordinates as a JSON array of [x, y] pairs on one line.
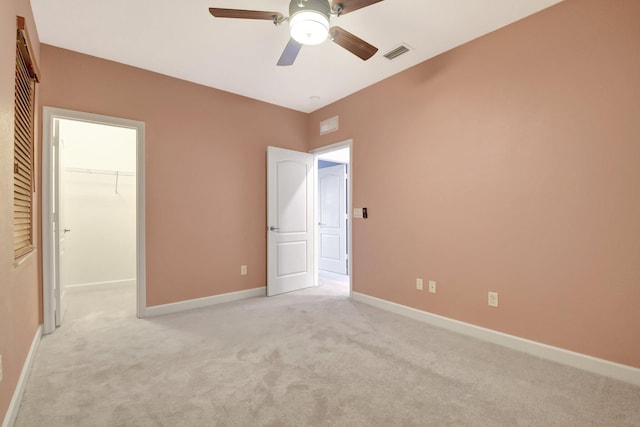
[[316, 153], [50, 113], [16, 400], [48, 306], [592, 364], [101, 285], [141, 228], [175, 307]]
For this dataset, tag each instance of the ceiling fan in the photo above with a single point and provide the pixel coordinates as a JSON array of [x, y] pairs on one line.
[[309, 25]]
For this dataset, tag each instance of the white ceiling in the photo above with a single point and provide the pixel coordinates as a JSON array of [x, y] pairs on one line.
[[181, 39]]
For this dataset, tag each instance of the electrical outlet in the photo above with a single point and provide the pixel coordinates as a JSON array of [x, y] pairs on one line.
[[493, 299], [432, 286], [243, 270], [419, 284]]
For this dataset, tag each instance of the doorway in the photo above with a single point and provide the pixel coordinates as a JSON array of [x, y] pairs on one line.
[[93, 211], [333, 204]]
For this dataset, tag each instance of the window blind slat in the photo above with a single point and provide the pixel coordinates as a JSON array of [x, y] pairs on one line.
[[23, 175], [21, 233], [22, 158], [24, 119], [22, 104], [23, 251], [22, 123], [24, 171], [19, 196], [22, 209], [22, 186]]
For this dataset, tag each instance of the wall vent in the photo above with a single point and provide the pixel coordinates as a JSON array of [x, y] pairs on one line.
[[329, 125], [393, 54]]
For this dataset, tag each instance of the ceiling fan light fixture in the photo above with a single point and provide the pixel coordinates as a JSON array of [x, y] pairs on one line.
[[309, 21], [309, 27]]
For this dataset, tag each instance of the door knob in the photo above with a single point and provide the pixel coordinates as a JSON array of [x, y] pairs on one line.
[[272, 228]]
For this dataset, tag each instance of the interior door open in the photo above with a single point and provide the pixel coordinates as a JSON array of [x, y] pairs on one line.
[[59, 225], [290, 228], [332, 216]]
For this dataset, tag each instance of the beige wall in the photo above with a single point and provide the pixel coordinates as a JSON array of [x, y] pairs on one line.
[[19, 286], [510, 164], [205, 168]]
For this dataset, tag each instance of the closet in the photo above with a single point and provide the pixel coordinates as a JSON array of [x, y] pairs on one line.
[[98, 199]]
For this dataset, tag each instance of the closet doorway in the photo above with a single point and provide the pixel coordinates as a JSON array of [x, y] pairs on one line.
[[94, 257]]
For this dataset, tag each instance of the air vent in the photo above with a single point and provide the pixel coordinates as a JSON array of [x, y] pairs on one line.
[[329, 125], [393, 54]]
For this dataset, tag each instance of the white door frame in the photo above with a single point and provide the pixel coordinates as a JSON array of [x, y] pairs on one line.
[[316, 153], [49, 114]]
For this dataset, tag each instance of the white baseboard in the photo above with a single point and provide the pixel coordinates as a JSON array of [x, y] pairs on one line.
[[102, 285], [14, 405], [592, 364], [158, 310]]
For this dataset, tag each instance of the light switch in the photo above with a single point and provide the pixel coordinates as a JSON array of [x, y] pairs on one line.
[[357, 213]]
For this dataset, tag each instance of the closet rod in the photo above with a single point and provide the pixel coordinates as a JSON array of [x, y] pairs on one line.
[[99, 172]]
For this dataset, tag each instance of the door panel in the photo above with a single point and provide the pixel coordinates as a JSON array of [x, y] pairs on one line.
[[330, 246], [292, 258], [59, 226], [289, 220], [291, 196], [332, 219]]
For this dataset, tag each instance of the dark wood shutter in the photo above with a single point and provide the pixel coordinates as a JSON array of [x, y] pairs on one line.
[[23, 164]]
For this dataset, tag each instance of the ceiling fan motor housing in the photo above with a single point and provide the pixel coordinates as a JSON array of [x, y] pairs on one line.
[[309, 20]]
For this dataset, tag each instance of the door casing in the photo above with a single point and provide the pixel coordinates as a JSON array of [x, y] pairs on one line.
[[48, 266]]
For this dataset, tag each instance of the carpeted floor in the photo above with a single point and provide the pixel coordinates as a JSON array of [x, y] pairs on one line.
[[310, 358]]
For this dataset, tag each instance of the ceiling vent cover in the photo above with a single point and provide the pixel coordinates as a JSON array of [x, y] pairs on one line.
[[393, 54]]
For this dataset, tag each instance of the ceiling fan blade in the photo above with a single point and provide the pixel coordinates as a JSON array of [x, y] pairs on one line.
[[353, 44], [290, 53], [245, 14], [346, 6]]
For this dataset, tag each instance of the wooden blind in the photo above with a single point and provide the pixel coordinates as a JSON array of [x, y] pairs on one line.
[[23, 164]]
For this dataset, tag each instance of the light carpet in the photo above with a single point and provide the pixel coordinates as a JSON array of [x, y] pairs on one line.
[[309, 358]]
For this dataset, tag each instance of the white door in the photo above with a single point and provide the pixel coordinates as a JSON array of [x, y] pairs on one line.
[[332, 215], [289, 220], [59, 225]]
